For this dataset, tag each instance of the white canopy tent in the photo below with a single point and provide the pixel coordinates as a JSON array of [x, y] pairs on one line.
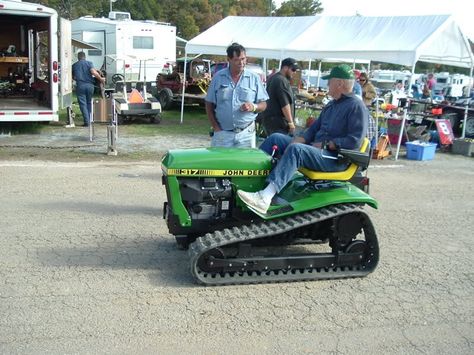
[[400, 40]]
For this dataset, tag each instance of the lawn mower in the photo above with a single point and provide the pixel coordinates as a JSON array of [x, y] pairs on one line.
[[316, 227]]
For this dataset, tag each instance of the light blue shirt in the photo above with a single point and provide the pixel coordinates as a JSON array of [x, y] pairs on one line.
[[228, 97], [357, 90]]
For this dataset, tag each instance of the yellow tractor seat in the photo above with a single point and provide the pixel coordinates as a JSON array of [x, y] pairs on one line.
[[344, 175]]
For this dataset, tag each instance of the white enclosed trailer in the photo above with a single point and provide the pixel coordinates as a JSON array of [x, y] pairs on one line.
[[35, 62], [119, 36]]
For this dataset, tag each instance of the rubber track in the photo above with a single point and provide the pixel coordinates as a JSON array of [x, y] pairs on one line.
[[270, 228]]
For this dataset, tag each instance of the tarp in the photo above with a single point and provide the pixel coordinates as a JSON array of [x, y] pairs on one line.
[[400, 40]]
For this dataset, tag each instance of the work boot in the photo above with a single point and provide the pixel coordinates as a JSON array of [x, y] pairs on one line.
[[254, 201]]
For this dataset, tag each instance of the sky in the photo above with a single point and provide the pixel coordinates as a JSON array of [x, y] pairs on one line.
[[462, 10]]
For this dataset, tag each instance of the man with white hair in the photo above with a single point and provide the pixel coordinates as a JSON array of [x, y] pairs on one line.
[[341, 124]]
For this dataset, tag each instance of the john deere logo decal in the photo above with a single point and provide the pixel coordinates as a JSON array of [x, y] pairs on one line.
[[207, 172]]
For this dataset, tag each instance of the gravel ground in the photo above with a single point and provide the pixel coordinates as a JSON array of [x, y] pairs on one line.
[[87, 266], [75, 143]]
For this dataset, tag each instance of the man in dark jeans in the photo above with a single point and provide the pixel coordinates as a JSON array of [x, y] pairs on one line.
[[83, 73], [280, 113]]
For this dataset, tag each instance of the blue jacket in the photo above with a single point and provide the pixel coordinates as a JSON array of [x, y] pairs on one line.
[[343, 121]]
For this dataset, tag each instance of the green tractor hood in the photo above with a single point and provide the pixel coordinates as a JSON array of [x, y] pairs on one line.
[[216, 162]]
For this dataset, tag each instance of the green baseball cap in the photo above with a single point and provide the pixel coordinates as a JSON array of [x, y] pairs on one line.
[[342, 71]]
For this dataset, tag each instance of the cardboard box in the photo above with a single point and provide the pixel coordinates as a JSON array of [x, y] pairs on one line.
[[420, 151], [102, 110], [464, 147]]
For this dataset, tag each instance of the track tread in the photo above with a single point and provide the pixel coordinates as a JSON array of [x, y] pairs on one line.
[[264, 229]]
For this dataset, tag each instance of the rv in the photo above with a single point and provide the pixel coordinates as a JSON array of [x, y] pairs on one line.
[[126, 49], [385, 80], [35, 76], [452, 85], [460, 86]]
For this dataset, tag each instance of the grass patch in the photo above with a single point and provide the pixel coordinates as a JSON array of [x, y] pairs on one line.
[[194, 122], [22, 127]]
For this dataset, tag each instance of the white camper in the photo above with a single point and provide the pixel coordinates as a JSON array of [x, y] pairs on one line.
[[386, 79], [458, 86], [118, 37], [35, 76]]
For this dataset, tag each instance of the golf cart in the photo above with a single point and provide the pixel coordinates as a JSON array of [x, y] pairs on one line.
[[196, 81], [133, 98]]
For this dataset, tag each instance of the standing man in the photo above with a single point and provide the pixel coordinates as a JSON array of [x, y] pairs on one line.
[[341, 124], [280, 113], [234, 98], [83, 73]]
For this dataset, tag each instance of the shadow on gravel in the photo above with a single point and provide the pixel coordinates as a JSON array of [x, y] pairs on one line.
[[168, 266], [103, 209]]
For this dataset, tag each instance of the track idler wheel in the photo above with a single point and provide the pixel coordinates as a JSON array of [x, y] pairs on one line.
[[347, 228], [206, 261]]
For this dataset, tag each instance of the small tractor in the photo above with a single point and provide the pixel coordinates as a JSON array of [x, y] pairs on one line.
[[316, 227]]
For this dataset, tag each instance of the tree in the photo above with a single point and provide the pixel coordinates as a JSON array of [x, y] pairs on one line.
[[299, 8]]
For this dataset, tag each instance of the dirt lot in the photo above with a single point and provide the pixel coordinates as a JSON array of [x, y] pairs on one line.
[[73, 144], [87, 265]]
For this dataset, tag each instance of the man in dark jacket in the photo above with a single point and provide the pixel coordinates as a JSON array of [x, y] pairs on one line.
[[280, 113], [83, 73], [341, 124]]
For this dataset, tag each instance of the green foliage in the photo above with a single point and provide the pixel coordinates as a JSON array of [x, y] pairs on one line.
[[191, 17], [299, 8]]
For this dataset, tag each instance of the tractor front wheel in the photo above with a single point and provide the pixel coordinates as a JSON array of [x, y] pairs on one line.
[[166, 98]]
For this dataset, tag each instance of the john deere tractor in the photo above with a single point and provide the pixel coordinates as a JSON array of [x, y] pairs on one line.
[[315, 229]]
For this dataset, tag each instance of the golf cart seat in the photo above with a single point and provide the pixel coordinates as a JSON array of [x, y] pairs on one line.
[[139, 87], [120, 84], [357, 159]]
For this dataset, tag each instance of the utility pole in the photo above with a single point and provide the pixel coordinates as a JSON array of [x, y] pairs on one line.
[[111, 1]]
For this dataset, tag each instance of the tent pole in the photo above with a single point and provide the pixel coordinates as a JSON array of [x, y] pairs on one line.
[[377, 109], [402, 127], [466, 110], [265, 70], [411, 78], [184, 85], [402, 130], [309, 74], [319, 74]]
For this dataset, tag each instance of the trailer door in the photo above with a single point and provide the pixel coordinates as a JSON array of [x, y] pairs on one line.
[[65, 59]]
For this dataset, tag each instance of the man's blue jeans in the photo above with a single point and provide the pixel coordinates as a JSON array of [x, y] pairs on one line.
[[243, 139], [84, 94], [294, 156]]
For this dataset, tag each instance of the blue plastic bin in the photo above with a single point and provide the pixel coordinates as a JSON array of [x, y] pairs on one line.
[[420, 151]]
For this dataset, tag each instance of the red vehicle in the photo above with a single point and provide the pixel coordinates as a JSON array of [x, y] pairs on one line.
[[196, 81]]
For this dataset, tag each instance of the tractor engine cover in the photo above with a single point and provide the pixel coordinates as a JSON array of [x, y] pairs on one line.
[[207, 198]]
